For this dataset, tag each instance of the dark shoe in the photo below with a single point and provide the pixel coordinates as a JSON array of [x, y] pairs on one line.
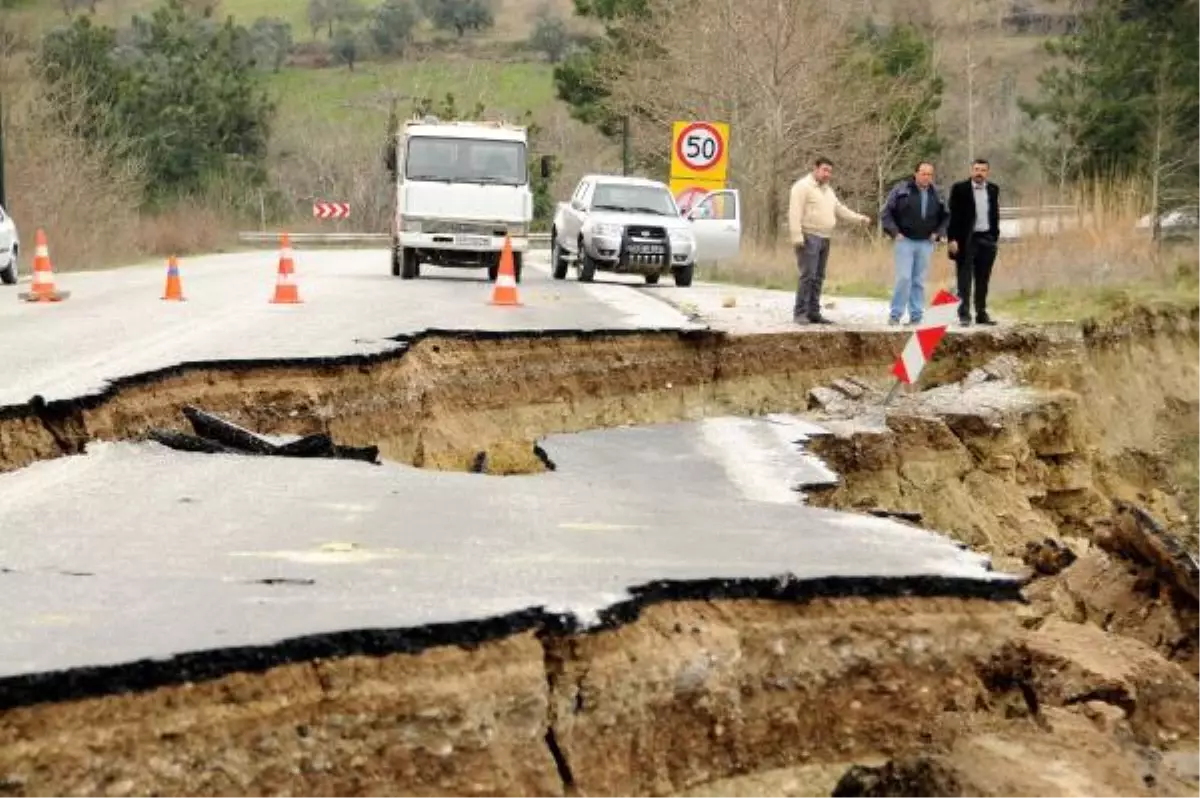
[[800, 319], [819, 320], [984, 318], [965, 321]]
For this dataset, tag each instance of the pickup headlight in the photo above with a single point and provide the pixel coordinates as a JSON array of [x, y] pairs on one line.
[[606, 230], [410, 225], [516, 229], [682, 239]]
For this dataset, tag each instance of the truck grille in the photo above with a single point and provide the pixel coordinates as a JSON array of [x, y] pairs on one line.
[[463, 228]]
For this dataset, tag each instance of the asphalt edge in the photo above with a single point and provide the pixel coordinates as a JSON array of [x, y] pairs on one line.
[[74, 684]]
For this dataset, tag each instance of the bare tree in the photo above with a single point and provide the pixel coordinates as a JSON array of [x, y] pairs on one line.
[[771, 68]]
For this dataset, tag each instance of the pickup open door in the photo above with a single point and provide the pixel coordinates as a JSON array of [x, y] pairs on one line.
[[717, 224]]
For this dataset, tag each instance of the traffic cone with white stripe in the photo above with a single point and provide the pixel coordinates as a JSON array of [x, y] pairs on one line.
[[505, 290], [43, 289], [286, 291], [174, 289]]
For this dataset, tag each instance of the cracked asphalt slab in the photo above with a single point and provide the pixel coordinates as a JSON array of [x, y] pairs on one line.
[[116, 325], [133, 552]]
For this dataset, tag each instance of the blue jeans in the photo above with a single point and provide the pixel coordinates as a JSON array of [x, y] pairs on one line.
[[912, 264]]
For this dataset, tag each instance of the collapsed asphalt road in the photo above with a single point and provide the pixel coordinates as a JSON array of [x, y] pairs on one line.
[[155, 553]]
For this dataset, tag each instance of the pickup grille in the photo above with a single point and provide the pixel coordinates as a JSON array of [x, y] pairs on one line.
[[643, 232]]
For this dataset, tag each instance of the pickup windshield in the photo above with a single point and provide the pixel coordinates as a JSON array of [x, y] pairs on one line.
[[633, 199], [455, 160]]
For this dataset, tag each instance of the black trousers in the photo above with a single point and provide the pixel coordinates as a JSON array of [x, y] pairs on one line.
[[974, 265], [811, 260]]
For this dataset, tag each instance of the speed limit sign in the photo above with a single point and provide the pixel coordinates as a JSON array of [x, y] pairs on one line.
[[700, 150]]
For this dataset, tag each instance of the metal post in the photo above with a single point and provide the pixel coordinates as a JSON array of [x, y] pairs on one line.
[[3, 199], [887, 400], [625, 145]]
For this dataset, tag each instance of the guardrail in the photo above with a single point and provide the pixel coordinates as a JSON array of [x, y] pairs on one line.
[[536, 240]]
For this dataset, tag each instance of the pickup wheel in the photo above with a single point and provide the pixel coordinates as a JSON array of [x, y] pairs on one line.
[[558, 260], [683, 275], [652, 278], [410, 267], [585, 265]]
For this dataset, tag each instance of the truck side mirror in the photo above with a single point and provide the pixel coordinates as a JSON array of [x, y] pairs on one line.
[[547, 166]]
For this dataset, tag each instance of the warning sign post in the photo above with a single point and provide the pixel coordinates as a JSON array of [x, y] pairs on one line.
[[699, 160]]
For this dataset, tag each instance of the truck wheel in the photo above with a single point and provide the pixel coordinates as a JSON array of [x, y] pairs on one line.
[[558, 260], [585, 265], [395, 261], [410, 268], [494, 267], [652, 278], [683, 275]]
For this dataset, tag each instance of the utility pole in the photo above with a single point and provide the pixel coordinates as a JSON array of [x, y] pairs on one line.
[[625, 145], [3, 199], [970, 82]]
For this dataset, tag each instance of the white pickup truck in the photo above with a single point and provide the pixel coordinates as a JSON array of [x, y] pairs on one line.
[[632, 225], [10, 247], [461, 187]]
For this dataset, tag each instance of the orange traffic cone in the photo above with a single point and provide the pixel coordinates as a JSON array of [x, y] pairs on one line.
[[174, 289], [505, 290], [43, 289], [286, 291]]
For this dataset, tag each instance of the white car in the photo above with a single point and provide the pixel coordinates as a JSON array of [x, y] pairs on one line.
[[10, 247]]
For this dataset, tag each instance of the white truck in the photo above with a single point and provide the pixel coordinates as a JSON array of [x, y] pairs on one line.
[[461, 187], [632, 225]]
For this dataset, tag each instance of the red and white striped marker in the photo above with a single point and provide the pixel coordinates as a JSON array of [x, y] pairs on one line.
[[331, 210], [919, 349]]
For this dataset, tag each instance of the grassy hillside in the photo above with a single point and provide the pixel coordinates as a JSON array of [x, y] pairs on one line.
[[513, 17], [364, 95]]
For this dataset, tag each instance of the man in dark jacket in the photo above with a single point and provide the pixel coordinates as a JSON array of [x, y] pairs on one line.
[[974, 233], [915, 217]]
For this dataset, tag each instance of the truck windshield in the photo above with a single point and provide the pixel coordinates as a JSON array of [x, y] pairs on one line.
[[633, 199], [466, 160]]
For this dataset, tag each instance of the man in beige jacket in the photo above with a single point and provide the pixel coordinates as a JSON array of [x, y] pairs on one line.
[[813, 212]]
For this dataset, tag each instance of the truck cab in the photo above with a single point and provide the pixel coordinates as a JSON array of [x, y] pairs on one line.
[[461, 188]]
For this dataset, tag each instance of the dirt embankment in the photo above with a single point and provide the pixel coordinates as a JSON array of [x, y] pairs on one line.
[[1078, 468]]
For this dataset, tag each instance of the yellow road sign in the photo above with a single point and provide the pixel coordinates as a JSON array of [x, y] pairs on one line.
[[700, 150]]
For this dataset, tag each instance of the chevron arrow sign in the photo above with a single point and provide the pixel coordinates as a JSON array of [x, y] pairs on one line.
[[331, 210]]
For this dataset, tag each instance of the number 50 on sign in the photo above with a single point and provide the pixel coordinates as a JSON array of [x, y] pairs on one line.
[[700, 150]]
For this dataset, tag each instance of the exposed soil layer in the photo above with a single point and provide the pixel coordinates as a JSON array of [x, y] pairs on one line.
[[687, 693], [444, 397]]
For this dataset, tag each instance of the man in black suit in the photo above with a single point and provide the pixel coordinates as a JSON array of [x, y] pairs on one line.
[[974, 233]]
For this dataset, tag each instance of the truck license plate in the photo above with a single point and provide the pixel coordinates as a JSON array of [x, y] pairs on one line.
[[472, 241], [646, 249]]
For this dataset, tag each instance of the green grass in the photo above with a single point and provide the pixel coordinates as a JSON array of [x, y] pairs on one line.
[[365, 93], [46, 14], [1077, 303]]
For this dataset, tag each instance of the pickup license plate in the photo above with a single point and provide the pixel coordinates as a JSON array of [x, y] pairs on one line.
[[472, 241], [646, 249]]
